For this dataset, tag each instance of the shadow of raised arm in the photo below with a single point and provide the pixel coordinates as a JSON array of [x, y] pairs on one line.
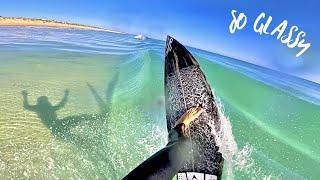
[[99, 100], [63, 101], [26, 104], [105, 105], [110, 91]]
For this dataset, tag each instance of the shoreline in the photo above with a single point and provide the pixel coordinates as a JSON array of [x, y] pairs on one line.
[[22, 21]]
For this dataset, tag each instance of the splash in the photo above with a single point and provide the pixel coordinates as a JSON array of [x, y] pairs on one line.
[[225, 140], [235, 158]]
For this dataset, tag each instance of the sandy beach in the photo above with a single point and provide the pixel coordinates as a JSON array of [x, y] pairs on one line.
[[20, 21]]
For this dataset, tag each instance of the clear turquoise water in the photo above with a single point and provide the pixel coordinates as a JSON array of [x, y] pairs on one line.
[[116, 95]]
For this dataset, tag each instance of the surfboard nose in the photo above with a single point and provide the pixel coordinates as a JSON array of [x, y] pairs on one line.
[[177, 56]]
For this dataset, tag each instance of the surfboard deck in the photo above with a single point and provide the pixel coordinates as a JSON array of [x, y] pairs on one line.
[[185, 87]]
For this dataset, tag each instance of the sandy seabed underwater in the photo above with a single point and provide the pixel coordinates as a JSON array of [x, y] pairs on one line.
[[114, 115]]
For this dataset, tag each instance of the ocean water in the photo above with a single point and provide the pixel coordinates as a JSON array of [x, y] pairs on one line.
[[113, 117]]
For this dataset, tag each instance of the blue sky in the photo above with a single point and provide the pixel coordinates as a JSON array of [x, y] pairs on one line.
[[202, 24]]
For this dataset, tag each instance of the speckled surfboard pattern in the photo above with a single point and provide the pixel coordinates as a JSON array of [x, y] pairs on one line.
[[185, 87]]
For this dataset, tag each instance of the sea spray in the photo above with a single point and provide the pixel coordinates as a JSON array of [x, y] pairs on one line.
[[236, 159], [225, 140]]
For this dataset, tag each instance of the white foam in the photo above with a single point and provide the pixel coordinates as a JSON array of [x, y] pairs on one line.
[[226, 141], [140, 37], [234, 158]]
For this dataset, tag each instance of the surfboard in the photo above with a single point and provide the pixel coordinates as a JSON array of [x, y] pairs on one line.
[[185, 87]]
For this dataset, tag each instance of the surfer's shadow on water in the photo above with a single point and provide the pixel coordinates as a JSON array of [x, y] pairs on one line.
[[84, 130], [61, 128]]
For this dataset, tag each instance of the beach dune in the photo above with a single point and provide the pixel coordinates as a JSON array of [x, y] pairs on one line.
[[21, 21]]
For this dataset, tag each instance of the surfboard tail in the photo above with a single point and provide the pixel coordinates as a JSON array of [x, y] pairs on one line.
[[177, 56]]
